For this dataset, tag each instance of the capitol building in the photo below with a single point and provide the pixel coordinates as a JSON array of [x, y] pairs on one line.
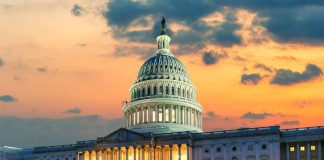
[[163, 121]]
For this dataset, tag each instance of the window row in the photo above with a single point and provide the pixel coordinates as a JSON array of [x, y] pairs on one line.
[[162, 90], [234, 148], [164, 115], [161, 68]]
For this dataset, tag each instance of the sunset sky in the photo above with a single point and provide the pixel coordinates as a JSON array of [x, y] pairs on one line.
[[66, 66]]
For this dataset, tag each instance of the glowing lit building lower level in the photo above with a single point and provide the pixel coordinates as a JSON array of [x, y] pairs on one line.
[[163, 121]]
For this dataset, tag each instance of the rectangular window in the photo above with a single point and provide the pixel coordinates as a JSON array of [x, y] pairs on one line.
[[313, 148], [292, 149], [302, 148], [153, 116], [167, 114], [218, 149], [250, 147]]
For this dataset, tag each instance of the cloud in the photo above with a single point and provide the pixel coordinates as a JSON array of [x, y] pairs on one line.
[[252, 78], [290, 123], [73, 111], [288, 58], [289, 77], [211, 114], [42, 69], [257, 116], [301, 23], [77, 10], [1, 62], [239, 58], [8, 98], [226, 34], [46, 131], [263, 66], [122, 15], [144, 52], [211, 57]]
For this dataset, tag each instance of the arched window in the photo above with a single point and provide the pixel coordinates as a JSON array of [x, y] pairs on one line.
[[167, 90], [138, 93], [154, 90], [149, 91], [143, 92], [172, 91], [188, 94], [183, 93], [161, 89]]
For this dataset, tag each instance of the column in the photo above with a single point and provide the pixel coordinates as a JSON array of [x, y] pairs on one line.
[[143, 152], [189, 150], [287, 151], [119, 153], [126, 152], [132, 118], [156, 114], [162, 152], [183, 115], [179, 151], [78, 155], [97, 155], [212, 152], [104, 154], [319, 150], [149, 114], [163, 114], [150, 152], [170, 114], [189, 116], [145, 115], [112, 154], [308, 151], [177, 114], [135, 153], [297, 151], [171, 152]]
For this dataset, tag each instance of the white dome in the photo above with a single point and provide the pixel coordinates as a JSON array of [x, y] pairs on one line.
[[163, 98]]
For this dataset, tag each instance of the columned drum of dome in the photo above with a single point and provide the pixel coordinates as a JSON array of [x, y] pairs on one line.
[[163, 98]]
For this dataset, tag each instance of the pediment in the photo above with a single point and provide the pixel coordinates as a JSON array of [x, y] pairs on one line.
[[122, 134]]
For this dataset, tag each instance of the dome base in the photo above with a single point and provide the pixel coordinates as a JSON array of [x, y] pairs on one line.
[[158, 128]]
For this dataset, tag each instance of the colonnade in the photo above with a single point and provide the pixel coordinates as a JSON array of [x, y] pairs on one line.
[[146, 152], [163, 114], [304, 150]]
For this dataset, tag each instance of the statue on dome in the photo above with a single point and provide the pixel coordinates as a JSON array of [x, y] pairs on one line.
[[163, 27]]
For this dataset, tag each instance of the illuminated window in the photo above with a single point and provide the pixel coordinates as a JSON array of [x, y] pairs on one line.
[[173, 114], [153, 115], [302, 148], [292, 149], [167, 114], [313, 148]]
